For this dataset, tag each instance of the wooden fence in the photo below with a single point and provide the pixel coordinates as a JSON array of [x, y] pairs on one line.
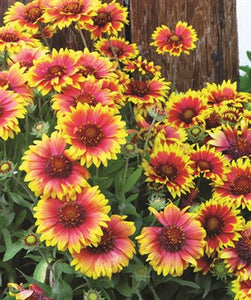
[[216, 55]]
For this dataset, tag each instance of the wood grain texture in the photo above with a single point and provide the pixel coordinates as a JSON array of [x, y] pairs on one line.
[[214, 59], [216, 55]]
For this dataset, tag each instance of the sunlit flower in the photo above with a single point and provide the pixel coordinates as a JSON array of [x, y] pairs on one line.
[[111, 254], [221, 222], [170, 134], [13, 79], [11, 109], [116, 88], [62, 13], [72, 224], [27, 16], [123, 50], [51, 170], [92, 63], [241, 288], [110, 19], [237, 187], [143, 67], [13, 39], [147, 92], [234, 142], [225, 93], [169, 165], [186, 109], [182, 39], [26, 56], [32, 292], [171, 247], [91, 92], [238, 257], [95, 133], [209, 163], [54, 71]]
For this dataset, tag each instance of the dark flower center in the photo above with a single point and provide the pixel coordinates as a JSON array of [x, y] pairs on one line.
[[84, 98], [106, 244], [87, 70], [71, 214], [239, 147], [90, 135], [203, 165], [32, 14], [172, 238], [213, 226], [58, 166], [243, 248], [187, 115], [213, 120], [168, 171], [3, 81], [241, 185], [72, 8], [55, 71], [139, 88], [9, 37], [117, 50], [175, 40], [102, 18]]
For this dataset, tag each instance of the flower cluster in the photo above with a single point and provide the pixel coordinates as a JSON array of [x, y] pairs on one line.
[[103, 131]]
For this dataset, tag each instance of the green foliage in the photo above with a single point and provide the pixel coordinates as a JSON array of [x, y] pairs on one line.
[[245, 79]]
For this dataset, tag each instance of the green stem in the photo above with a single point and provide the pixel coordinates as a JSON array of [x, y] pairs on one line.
[[39, 108], [156, 297], [125, 171], [27, 127], [4, 151], [82, 36], [43, 36], [48, 263], [24, 187], [174, 74], [5, 54], [113, 51], [148, 137]]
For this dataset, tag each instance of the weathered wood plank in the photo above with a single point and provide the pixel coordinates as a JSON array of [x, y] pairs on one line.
[[216, 55]]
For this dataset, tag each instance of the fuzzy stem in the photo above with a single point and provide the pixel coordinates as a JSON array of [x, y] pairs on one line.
[[82, 36], [125, 171], [174, 74], [148, 137]]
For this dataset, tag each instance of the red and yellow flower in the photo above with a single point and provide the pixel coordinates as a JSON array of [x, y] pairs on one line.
[[11, 109], [170, 165], [110, 19], [225, 93], [54, 71], [234, 142], [13, 38], [94, 133], [237, 187], [241, 288], [182, 39], [27, 16], [32, 292], [91, 91], [238, 257], [71, 224], [221, 222], [14, 80], [62, 13], [51, 171], [172, 247], [111, 254], [186, 109], [124, 51], [209, 163]]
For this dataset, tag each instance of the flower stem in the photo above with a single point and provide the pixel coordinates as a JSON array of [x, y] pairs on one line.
[[148, 137], [43, 36], [125, 171], [174, 74], [24, 187], [48, 263], [113, 51], [82, 35]]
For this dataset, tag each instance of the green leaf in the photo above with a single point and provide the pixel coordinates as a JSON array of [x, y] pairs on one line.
[[132, 197], [40, 271], [123, 287], [6, 219], [20, 217], [20, 200], [132, 179], [12, 250], [62, 291], [184, 282], [128, 209], [249, 55]]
